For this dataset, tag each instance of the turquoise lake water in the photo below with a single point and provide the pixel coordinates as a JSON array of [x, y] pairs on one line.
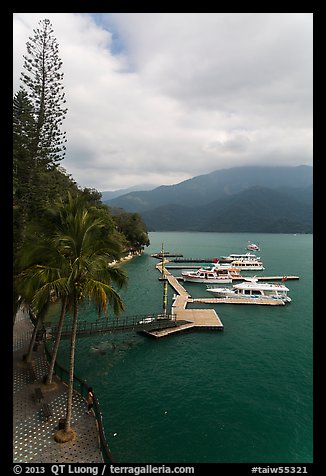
[[243, 394]]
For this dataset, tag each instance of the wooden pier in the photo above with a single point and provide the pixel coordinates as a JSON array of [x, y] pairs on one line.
[[194, 260], [231, 300], [197, 319], [124, 323], [167, 254], [285, 277], [259, 278], [268, 278], [185, 319]]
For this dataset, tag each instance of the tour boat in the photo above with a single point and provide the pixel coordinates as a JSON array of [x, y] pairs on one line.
[[252, 246], [211, 275], [245, 264], [252, 289], [235, 256]]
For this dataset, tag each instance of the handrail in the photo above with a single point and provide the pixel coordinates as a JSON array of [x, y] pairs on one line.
[[123, 323], [82, 387]]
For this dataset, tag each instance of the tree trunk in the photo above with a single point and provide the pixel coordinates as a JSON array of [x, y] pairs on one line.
[[17, 304], [33, 339], [71, 368], [57, 342]]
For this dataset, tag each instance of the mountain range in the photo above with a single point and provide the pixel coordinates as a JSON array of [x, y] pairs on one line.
[[110, 194], [255, 199]]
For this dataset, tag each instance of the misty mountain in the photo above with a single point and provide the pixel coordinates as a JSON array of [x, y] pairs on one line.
[[207, 188], [110, 194], [257, 209], [257, 199]]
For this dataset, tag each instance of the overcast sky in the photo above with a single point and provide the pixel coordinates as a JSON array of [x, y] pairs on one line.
[[161, 97]]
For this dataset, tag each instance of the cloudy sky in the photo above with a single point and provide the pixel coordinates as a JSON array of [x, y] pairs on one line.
[[161, 97]]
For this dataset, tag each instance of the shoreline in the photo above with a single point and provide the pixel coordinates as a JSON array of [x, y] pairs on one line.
[[124, 260]]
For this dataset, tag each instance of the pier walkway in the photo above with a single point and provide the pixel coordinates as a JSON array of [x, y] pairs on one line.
[[124, 323], [33, 435], [239, 278], [185, 319], [202, 318], [231, 300]]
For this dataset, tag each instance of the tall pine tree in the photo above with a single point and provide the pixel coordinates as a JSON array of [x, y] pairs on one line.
[[44, 82], [23, 163], [38, 139], [23, 139]]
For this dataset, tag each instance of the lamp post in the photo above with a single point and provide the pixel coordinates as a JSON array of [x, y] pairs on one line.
[[165, 285]]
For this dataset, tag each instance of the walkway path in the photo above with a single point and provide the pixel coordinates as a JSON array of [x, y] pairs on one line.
[[33, 436], [187, 318]]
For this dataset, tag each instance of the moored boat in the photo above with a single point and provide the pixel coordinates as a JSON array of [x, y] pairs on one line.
[[252, 289], [245, 264], [238, 256], [211, 275], [252, 246]]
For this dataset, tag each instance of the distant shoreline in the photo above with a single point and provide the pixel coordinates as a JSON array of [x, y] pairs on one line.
[[125, 259]]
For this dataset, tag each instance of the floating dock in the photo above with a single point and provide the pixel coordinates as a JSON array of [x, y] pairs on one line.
[[231, 300], [193, 260], [189, 319], [259, 278], [285, 277], [197, 319], [167, 254], [268, 278]]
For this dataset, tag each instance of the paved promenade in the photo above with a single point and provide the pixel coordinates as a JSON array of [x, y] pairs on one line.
[[33, 436]]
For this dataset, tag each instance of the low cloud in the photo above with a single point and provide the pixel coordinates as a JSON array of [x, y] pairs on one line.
[[159, 98]]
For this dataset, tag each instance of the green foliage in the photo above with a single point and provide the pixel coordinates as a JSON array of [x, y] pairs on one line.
[[256, 209], [38, 142], [23, 137], [40, 185], [23, 164], [133, 227], [64, 238], [70, 244], [43, 79]]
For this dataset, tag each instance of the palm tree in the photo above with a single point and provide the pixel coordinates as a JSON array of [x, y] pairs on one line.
[[39, 281], [90, 278], [71, 264], [57, 341]]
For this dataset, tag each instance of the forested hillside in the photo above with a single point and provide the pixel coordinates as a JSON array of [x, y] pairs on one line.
[[261, 199]]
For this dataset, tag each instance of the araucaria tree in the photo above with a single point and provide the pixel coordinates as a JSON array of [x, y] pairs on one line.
[[38, 140], [23, 163], [44, 82]]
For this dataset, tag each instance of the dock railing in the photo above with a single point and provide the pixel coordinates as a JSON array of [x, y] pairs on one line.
[[85, 327], [138, 322], [193, 260], [82, 387]]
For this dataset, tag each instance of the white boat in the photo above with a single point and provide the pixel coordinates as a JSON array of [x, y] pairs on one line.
[[211, 275], [252, 246], [245, 264], [238, 256], [252, 289]]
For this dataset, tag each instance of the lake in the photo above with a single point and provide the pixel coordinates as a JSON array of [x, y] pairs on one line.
[[243, 394]]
